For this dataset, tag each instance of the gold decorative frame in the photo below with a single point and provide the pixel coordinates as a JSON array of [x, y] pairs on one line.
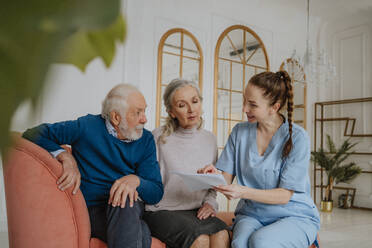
[[295, 82], [243, 62], [161, 51]]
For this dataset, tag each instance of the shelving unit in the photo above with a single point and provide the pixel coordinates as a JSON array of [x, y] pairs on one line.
[[348, 121]]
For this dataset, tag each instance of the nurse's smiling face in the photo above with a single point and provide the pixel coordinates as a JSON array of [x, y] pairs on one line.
[[256, 106]]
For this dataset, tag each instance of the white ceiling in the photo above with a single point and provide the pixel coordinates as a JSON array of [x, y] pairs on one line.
[[331, 10]]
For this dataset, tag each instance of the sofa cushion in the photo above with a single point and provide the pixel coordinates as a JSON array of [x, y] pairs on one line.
[[97, 243]]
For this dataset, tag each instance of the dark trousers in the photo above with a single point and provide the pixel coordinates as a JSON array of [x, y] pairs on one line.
[[120, 227]]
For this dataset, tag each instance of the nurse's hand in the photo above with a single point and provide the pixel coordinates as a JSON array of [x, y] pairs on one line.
[[209, 169], [231, 191], [206, 211]]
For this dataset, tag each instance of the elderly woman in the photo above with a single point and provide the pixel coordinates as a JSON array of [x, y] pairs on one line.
[[183, 218]]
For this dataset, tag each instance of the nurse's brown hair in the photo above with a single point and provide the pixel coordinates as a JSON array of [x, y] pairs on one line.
[[277, 87]]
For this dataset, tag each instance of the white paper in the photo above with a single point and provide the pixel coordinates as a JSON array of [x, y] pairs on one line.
[[196, 182]]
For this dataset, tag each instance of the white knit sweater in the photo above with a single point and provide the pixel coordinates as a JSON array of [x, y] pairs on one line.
[[185, 150]]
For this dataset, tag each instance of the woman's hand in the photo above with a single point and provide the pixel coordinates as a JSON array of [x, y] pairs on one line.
[[206, 211], [231, 191], [209, 169]]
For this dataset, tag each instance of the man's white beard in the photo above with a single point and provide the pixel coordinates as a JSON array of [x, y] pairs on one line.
[[130, 134]]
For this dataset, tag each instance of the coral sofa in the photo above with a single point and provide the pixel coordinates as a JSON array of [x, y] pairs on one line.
[[40, 215]]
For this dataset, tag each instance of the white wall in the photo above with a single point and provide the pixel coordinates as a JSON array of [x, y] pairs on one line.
[[280, 24], [71, 93], [280, 27], [349, 41]]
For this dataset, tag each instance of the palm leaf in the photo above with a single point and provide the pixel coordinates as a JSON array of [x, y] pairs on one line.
[[331, 145], [350, 172]]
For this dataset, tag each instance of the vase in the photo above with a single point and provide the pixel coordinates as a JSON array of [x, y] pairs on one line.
[[326, 206]]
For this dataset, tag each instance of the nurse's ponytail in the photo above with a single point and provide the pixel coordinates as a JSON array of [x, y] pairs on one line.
[[283, 76]]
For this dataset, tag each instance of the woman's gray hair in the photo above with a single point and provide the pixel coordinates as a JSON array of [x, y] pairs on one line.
[[171, 124], [116, 100]]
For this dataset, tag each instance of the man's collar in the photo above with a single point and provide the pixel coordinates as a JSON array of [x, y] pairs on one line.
[[110, 128]]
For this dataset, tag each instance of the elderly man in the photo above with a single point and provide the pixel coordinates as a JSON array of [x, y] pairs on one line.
[[116, 158]]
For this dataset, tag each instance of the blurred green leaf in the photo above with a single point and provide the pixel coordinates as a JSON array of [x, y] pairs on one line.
[[82, 47], [33, 34]]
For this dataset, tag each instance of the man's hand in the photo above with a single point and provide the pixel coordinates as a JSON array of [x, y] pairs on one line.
[[209, 169], [71, 173], [123, 188], [206, 211]]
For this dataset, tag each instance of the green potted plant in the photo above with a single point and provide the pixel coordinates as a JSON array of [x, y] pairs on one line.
[[337, 172]]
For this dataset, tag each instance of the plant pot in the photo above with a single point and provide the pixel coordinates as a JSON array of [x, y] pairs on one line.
[[326, 206]]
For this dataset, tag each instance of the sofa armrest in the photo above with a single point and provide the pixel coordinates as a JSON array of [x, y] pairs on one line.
[[39, 214]]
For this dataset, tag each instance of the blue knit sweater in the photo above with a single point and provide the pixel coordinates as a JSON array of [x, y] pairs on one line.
[[102, 158]]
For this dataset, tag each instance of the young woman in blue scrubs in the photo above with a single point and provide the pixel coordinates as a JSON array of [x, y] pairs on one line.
[[269, 157]]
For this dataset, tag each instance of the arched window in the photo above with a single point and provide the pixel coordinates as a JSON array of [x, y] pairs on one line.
[[298, 76], [179, 56], [239, 55]]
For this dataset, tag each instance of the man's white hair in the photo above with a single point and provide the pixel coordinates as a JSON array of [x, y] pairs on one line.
[[116, 100]]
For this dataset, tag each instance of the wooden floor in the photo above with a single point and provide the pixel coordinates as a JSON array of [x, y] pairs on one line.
[[346, 228], [340, 229]]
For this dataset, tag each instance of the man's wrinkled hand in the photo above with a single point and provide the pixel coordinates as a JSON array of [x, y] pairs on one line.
[[122, 189], [71, 173]]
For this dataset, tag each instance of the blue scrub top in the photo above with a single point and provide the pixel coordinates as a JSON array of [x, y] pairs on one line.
[[241, 159]]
